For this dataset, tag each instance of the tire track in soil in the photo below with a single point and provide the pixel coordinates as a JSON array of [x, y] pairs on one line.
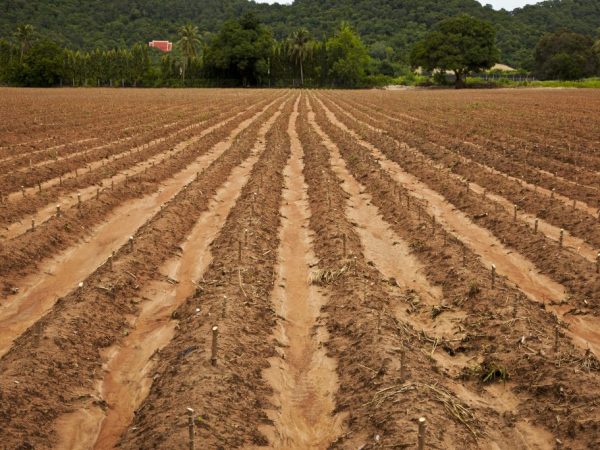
[[303, 376], [128, 365], [58, 276], [519, 270], [550, 231], [69, 199], [66, 344], [392, 257], [581, 202], [230, 397]]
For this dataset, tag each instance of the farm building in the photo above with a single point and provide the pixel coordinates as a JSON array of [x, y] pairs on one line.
[[164, 46]]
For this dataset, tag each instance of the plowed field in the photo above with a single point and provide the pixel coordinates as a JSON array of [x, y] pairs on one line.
[[216, 269]]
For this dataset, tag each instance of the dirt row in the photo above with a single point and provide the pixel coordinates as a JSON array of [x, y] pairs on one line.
[[57, 362], [146, 122], [564, 266], [228, 398], [570, 139], [20, 255], [105, 172], [551, 210], [505, 334], [33, 117], [576, 182], [51, 169]]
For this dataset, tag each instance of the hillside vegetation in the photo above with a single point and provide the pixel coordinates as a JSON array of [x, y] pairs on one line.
[[383, 24]]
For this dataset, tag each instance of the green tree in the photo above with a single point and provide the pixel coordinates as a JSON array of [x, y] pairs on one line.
[[300, 48], [565, 55], [140, 63], [348, 57], [241, 51], [24, 36], [42, 65], [189, 41], [460, 44]]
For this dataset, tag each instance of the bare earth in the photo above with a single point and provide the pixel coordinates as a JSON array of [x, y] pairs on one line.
[[369, 258]]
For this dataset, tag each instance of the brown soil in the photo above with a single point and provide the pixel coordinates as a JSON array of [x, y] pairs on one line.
[[331, 237]]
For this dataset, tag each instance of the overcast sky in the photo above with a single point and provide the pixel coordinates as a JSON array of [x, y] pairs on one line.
[[497, 4]]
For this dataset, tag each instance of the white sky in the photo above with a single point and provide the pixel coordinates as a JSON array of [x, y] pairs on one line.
[[497, 4]]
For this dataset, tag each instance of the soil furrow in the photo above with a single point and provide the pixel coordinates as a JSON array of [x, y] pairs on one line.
[[228, 397], [55, 278], [59, 360], [129, 364], [582, 224], [368, 337], [96, 172], [397, 263], [569, 269], [115, 172], [584, 189], [303, 377], [21, 255], [491, 313], [524, 193]]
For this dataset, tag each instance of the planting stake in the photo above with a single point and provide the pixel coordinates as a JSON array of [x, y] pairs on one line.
[[32, 224], [215, 334], [97, 193], [79, 200], [493, 275], [57, 210], [190, 412], [464, 255], [240, 250], [421, 437], [514, 213], [130, 243], [556, 337], [535, 226], [402, 365], [23, 191], [344, 244], [561, 237]]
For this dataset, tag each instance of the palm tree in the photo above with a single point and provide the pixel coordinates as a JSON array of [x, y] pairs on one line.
[[300, 47], [24, 35], [189, 40]]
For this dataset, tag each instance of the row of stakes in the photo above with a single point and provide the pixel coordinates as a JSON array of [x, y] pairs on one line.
[[60, 178]]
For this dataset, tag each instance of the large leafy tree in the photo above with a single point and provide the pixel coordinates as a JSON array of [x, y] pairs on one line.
[[565, 55], [347, 56], [42, 65], [459, 44], [189, 44], [300, 48], [241, 51]]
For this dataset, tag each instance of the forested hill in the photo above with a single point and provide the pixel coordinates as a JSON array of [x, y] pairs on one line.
[[382, 23]]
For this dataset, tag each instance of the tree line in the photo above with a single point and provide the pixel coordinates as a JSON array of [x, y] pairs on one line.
[[243, 52]]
